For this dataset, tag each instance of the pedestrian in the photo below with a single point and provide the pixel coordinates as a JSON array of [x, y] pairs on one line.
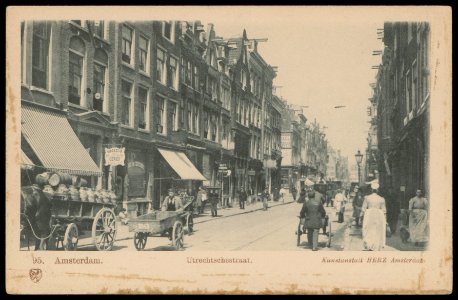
[[213, 198], [242, 198], [294, 192], [282, 194], [313, 211], [340, 201], [374, 222], [265, 197], [123, 216], [172, 202], [357, 202], [302, 196], [201, 198], [418, 219]]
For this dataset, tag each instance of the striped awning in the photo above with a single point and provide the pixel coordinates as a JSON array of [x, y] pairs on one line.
[[26, 163], [55, 143], [181, 164]]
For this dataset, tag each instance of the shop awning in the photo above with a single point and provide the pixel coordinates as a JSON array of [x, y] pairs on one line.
[[55, 143], [26, 163], [181, 164]]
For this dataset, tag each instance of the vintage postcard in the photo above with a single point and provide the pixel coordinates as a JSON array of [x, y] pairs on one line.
[[229, 150]]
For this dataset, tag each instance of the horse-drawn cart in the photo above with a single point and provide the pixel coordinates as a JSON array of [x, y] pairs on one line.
[[163, 223], [73, 218], [60, 217]]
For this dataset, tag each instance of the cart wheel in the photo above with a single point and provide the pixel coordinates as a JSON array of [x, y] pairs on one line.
[[190, 223], [299, 232], [177, 235], [104, 229], [140, 239], [71, 237]]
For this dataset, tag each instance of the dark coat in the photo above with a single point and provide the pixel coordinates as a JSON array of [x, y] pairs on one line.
[[242, 196], [313, 212]]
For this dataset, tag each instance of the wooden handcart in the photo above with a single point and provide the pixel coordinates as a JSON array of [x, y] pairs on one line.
[[326, 230], [169, 224]]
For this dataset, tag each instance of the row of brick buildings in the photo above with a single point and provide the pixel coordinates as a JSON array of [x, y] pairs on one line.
[[185, 104], [399, 136]]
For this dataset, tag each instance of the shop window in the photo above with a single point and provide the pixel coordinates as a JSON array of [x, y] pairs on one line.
[[126, 44], [126, 117], [143, 121], [143, 53], [40, 54]]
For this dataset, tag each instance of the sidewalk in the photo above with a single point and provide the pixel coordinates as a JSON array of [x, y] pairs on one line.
[[124, 234], [354, 241]]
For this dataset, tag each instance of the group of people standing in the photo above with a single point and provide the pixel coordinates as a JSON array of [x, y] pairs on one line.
[[378, 217]]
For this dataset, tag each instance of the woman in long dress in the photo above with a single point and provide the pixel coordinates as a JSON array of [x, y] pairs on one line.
[[374, 221], [418, 219]]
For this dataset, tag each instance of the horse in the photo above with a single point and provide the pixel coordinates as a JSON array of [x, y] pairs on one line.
[[36, 215]]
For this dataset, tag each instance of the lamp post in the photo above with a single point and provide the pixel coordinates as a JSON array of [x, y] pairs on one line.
[[359, 159]]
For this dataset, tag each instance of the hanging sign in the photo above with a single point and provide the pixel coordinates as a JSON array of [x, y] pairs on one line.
[[115, 156]]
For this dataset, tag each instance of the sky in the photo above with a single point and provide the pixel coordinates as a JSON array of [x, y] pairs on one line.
[[322, 63]]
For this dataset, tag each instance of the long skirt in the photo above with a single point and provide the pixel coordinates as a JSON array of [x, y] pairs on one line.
[[418, 226], [374, 229]]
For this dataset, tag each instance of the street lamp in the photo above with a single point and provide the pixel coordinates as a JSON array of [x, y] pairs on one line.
[[359, 159]]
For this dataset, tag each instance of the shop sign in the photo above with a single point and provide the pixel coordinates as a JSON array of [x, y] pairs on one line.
[[251, 173], [115, 156]]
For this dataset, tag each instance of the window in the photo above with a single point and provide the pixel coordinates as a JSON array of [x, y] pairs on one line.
[[415, 97], [195, 123], [100, 65], [206, 124], [160, 66], [40, 53], [408, 92], [99, 86], [172, 73], [160, 115], [190, 116], [143, 121], [99, 29], [425, 64], [172, 118], [126, 44], [168, 31], [75, 70], [214, 128], [126, 118], [196, 78], [189, 73], [143, 53]]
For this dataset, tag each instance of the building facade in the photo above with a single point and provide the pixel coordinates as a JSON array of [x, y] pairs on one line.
[[403, 101]]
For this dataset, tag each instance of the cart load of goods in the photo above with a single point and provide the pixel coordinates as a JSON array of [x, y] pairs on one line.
[[64, 187]]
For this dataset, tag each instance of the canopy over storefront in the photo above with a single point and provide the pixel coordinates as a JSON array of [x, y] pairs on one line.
[[26, 163], [55, 143], [181, 164]]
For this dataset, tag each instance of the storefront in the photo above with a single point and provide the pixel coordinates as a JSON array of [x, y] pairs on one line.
[[49, 143]]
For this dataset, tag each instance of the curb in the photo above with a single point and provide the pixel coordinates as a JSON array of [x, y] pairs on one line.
[[240, 213]]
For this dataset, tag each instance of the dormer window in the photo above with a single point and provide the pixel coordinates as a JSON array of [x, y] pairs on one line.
[[168, 30]]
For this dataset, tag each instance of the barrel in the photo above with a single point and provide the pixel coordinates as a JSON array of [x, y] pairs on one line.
[[42, 179], [59, 178]]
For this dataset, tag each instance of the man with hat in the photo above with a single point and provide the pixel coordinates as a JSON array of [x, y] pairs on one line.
[[357, 204], [314, 213], [172, 202]]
